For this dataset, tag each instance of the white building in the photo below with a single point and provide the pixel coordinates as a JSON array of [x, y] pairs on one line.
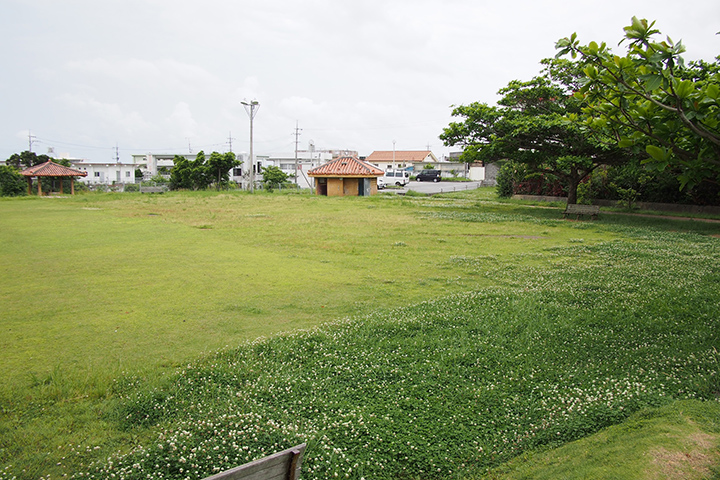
[[152, 164], [104, 173], [297, 170]]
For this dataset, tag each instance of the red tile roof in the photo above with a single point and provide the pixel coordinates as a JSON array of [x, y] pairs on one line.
[[346, 167], [400, 156], [52, 169]]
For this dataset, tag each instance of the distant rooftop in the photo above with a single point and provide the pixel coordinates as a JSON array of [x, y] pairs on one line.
[[406, 156]]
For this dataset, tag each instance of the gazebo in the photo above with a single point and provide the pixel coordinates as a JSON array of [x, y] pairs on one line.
[[346, 176], [52, 170]]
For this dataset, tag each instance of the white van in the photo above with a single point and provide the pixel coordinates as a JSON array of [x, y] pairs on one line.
[[396, 177]]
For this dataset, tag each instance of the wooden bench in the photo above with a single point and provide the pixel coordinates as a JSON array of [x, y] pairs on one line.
[[578, 210], [283, 465], [161, 189]]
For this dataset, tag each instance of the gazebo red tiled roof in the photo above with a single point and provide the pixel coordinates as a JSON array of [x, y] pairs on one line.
[[51, 169], [346, 167]]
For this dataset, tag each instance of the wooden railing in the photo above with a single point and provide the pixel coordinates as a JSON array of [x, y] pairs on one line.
[[283, 465]]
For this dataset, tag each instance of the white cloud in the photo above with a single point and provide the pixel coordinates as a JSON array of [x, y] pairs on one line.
[[181, 119], [354, 75], [108, 114]]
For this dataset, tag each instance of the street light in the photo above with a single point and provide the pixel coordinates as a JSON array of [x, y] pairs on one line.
[[251, 109]]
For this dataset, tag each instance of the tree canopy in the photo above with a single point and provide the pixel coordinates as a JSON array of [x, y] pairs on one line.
[[650, 101], [273, 177], [529, 126], [27, 159], [199, 174]]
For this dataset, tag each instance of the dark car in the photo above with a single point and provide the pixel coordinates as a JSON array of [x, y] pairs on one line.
[[428, 175]]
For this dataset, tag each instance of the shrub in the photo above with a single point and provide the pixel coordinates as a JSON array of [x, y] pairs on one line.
[[509, 176], [12, 183]]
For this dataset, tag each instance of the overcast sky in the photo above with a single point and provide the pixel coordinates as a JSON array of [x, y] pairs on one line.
[[85, 76]]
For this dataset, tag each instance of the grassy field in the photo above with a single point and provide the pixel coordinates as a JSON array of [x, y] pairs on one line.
[[113, 307]]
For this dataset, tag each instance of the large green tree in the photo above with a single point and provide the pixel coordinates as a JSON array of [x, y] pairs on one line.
[[219, 166], [180, 175], [201, 173], [529, 126], [649, 100]]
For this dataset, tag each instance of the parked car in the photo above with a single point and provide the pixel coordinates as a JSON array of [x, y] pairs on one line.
[[380, 183], [428, 175], [396, 177]]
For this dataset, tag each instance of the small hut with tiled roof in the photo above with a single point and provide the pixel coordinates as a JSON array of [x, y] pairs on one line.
[[52, 170], [346, 176]]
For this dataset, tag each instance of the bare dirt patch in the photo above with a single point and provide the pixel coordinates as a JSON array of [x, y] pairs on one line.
[[693, 461]]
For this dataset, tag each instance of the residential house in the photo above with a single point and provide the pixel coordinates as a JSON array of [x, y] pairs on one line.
[[105, 173], [402, 159]]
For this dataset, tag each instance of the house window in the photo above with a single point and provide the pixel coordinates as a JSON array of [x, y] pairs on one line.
[[237, 172], [127, 174], [97, 174]]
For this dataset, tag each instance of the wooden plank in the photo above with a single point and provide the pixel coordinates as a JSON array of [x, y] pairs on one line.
[[285, 465]]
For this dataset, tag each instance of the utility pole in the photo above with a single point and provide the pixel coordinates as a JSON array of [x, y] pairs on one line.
[[230, 139], [251, 109], [31, 140], [117, 162], [297, 136], [393, 155]]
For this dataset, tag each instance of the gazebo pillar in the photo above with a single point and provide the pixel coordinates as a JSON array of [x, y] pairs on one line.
[[29, 180], [39, 187]]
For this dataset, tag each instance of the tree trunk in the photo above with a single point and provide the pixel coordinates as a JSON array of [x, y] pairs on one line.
[[573, 182]]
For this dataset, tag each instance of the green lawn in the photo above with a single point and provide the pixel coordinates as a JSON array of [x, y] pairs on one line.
[[677, 441], [112, 282], [107, 298]]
